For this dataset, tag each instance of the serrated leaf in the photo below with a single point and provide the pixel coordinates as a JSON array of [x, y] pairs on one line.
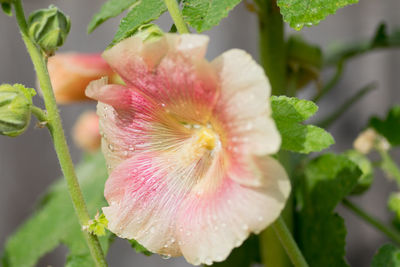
[[110, 9], [388, 127], [387, 256], [309, 12], [55, 223], [288, 114], [205, 14], [143, 12], [327, 180]]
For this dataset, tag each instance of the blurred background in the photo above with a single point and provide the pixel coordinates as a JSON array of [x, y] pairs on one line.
[[28, 164]]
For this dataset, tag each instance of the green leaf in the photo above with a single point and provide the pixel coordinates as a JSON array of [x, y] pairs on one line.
[[365, 165], [55, 223], [139, 248], [309, 12], [205, 14], [244, 256], [109, 9], [387, 256], [388, 127], [288, 114], [6, 7], [322, 233], [143, 12]]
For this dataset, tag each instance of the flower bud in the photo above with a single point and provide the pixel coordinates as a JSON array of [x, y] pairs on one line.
[[70, 74], [15, 109], [86, 132], [49, 28]]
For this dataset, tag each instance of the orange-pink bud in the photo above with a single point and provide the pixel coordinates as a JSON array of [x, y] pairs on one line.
[[86, 132], [70, 73]]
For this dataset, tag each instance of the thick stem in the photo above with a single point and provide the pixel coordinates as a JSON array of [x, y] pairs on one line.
[[176, 16], [289, 244], [57, 133], [388, 231], [272, 45]]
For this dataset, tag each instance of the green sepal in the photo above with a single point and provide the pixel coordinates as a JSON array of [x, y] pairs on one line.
[[49, 28], [15, 109]]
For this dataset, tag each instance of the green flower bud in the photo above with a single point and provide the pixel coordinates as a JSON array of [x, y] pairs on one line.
[[15, 109], [149, 32], [49, 28]]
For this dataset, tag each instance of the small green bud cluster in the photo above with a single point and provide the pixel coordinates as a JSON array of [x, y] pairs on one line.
[[49, 28], [15, 109]]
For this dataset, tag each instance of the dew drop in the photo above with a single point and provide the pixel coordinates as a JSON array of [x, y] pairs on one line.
[[166, 245], [109, 166], [166, 257], [111, 147]]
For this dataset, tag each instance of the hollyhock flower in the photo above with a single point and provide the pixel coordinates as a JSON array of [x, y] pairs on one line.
[[187, 144], [70, 73], [86, 132]]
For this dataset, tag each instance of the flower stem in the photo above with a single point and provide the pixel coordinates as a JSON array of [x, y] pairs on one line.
[[57, 133], [39, 114], [388, 231], [289, 244], [176, 16]]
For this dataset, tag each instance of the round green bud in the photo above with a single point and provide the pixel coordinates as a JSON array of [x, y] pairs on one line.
[[15, 109], [49, 28], [149, 32]]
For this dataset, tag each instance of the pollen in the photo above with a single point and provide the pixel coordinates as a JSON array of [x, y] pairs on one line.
[[206, 138]]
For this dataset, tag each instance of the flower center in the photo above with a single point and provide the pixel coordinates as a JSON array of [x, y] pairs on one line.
[[206, 138]]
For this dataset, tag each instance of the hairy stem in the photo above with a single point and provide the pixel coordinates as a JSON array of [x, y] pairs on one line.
[[289, 244], [388, 231], [176, 16], [57, 133]]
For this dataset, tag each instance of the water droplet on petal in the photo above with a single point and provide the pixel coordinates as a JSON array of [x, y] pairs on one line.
[[111, 147], [166, 257], [166, 245]]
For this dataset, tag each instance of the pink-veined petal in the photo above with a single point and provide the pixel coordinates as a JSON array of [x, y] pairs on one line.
[[171, 71], [210, 226], [243, 106]]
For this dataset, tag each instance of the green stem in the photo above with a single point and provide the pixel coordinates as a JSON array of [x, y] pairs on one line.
[[176, 16], [57, 133], [39, 113], [335, 79], [289, 244], [272, 44], [330, 119], [388, 231]]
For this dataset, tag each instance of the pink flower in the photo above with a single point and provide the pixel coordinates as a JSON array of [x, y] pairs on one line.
[[70, 73], [86, 132], [187, 144]]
